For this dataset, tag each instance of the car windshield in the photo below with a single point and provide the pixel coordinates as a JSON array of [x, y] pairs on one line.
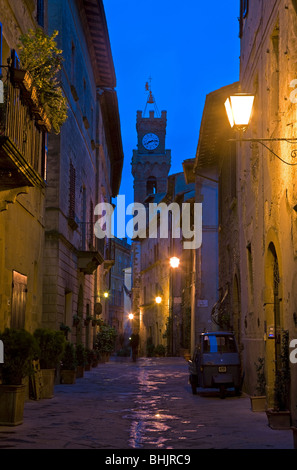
[[219, 343]]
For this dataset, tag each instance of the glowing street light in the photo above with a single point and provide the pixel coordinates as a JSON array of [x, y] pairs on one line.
[[239, 109], [158, 299], [106, 295], [131, 316], [174, 262]]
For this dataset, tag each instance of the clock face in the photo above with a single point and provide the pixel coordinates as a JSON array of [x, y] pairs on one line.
[[150, 141]]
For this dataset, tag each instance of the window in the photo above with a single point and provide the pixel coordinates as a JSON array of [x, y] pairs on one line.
[[151, 186], [15, 61], [40, 13], [219, 343]]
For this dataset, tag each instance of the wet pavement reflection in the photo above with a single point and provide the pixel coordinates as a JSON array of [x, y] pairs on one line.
[[142, 405]]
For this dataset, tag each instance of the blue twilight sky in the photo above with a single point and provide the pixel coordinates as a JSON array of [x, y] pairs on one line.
[[189, 48]]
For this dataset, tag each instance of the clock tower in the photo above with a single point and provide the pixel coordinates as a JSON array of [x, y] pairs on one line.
[[151, 161]]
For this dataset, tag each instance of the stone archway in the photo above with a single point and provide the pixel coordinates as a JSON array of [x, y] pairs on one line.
[[273, 318]]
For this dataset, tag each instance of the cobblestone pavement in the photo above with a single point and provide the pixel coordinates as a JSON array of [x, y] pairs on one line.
[[142, 405]]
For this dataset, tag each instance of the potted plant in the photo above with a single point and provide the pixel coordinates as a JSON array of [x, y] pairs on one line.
[[88, 320], [20, 349], [76, 320], [81, 359], [68, 365], [150, 347], [279, 417], [51, 347], [91, 357], [160, 350], [40, 57], [66, 329], [97, 357], [258, 400], [106, 340]]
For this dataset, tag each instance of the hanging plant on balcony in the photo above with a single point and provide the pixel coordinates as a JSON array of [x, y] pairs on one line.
[[40, 56]]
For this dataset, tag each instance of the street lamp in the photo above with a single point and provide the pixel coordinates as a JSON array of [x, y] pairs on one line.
[[158, 300], [239, 108], [174, 262], [106, 295], [131, 316]]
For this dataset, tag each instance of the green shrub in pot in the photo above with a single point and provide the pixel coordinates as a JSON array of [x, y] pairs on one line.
[[20, 349], [51, 345]]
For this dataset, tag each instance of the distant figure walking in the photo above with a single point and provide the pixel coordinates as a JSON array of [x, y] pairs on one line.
[[134, 343]]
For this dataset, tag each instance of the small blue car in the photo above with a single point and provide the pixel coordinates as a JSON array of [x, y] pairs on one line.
[[216, 363]]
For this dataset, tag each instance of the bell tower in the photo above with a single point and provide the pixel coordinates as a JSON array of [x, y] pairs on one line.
[[151, 161]]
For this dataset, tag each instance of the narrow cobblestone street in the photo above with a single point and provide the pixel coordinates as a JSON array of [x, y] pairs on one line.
[[142, 405]]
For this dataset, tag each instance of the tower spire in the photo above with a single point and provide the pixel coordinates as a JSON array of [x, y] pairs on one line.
[[150, 98]]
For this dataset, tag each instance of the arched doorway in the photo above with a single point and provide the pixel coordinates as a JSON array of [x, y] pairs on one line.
[[273, 320]]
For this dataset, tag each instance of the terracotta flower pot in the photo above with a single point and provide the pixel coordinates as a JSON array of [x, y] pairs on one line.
[[12, 401], [279, 419], [68, 377], [48, 383], [258, 403]]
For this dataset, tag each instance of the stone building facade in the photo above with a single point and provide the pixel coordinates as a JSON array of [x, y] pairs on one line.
[[22, 177], [84, 169], [204, 284], [166, 323], [257, 209], [117, 311], [267, 202]]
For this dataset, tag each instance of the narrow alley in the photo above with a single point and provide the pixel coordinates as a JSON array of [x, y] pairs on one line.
[[142, 405]]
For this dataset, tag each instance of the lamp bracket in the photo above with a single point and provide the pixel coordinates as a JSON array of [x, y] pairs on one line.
[[262, 142]]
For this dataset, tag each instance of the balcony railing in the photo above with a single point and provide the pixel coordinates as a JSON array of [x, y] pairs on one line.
[[23, 125], [91, 249], [109, 254]]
